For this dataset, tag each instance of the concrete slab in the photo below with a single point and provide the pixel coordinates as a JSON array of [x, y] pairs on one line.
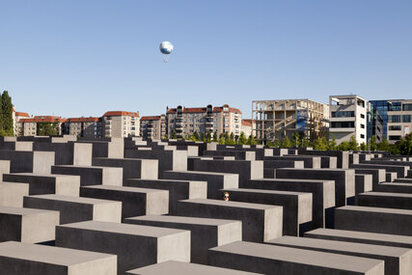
[[134, 245], [40, 184], [135, 201], [259, 221], [399, 169], [92, 175], [180, 268], [397, 259], [386, 200], [361, 237], [323, 194], [178, 189], [363, 183], [77, 209], [27, 225], [205, 233], [374, 219], [11, 194], [215, 180], [378, 175], [273, 259], [297, 206], [32, 259]]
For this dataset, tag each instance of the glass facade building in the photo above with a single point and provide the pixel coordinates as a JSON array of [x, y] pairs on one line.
[[381, 107]]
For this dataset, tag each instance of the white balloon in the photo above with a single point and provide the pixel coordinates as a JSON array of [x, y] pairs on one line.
[[166, 47]]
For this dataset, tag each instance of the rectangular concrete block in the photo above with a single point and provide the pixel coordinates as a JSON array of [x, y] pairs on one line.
[[386, 200], [363, 183], [374, 219], [11, 194], [344, 180], [297, 206], [215, 180], [361, 237], [77, 209], [273, 259], [393, 187], [259, 221], [27, 225], [181, 268], [391, 176], [134, 245], [397, 259], [82, 154], [135, 201], [205, 233], [132, 168], [47, 184], [323, 194], [92, 175], [42, 162], [399, 169], [33, 259], [309, 161], [178, 189]]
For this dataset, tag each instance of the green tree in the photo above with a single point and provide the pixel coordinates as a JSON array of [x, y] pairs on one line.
[[196, 136], [320, 144], [286, 143], [174, 136], [297, 139], [208, 137], [7, 111], [251, 140], [373, 144], [353, 144], [202, 137], [344, 146], [215, 136], [242, 138], [332, 144], [363, 146], [404, 146], [47, 129]]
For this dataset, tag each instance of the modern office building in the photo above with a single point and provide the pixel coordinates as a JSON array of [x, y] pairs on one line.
[[276, 119], [348, 117], [375, 124], [153, 127], [399, 119], [185, 121]]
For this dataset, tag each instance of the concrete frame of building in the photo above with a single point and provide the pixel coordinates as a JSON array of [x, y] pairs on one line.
[[276, 119], [153, 127]]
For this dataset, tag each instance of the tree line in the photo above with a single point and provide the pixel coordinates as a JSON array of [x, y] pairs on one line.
[[6, 115]]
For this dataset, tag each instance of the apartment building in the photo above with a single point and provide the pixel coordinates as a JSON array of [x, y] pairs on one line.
[[399, 122], [153, 127], [31, 126], [83, 127], [276, 119], [348, 117], [186, 121], [121, 124], [16, 125], [247, 126]]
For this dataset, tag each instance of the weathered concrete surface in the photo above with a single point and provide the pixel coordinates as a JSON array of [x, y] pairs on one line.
[[148, 244], [391, 176], [181, 268], [77, 209], [378, 175], [178, 189], [66, 185], [323, 194], [344, 180], [27, 225], [309, 161], [361, 237], [32, 259], [205, 233], [259, 221], [397, 259], [297, 206], [135, 201], [399, 169], [273, 259], [215, 180], [132, 168], [11, 194], [374, 219], [386, 200], [92, 175], [363, 183]]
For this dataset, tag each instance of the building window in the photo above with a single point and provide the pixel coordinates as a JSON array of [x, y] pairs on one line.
[[407, 118], [343, 124], [394, 106], [362, 136], [394, 137], [394, 118], [362, 115], [362, 126], [395, 128], [407, 107], [343, 114]]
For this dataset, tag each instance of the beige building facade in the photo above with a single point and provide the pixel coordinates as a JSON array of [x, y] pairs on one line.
[[153, 127], [399, 122]]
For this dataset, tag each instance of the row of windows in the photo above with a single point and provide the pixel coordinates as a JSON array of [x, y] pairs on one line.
[[343, 114], [399, 118], [343, 124]]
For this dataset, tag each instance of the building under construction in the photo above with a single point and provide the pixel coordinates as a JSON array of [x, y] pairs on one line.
[[276, 119]]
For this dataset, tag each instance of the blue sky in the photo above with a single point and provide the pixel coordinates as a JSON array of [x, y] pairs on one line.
[[74, 58]]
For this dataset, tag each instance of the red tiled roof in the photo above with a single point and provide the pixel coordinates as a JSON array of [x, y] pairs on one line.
[[22, 114], [121, 113], [46, 119], [83, 119], [247, 122], [149, 118]]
